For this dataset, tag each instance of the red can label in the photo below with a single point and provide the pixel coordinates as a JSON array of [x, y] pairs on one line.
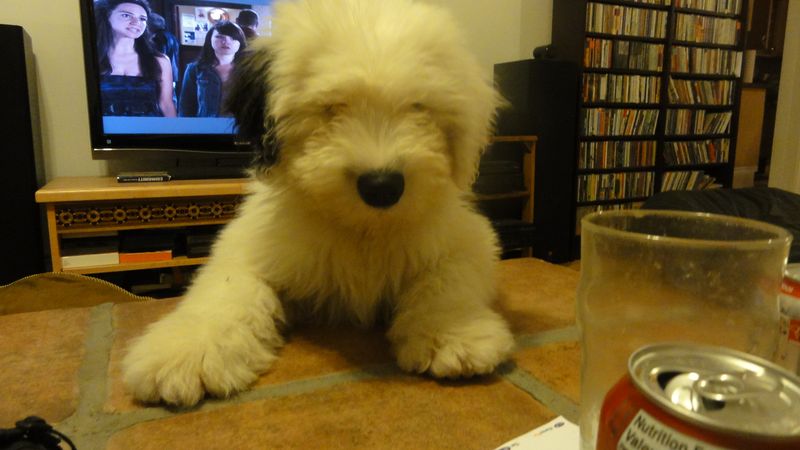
[[794, 331], [791, 287], [647, 432], [788, 354], [631, 421]]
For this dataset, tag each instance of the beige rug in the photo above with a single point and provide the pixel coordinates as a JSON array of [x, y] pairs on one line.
[[60, 290]]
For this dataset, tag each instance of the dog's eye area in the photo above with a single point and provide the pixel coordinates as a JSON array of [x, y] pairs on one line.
[[333, 108], [418, 106]]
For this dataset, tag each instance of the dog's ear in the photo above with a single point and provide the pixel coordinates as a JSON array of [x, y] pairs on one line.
[[247, 100]]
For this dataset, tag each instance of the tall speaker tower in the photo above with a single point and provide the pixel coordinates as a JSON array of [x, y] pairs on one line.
[[20, 159]]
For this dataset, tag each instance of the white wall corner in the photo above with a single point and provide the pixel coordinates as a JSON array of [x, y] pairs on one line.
[[784, 170], [536, 26]]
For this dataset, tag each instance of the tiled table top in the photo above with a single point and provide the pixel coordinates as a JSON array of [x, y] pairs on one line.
[[330, 388]]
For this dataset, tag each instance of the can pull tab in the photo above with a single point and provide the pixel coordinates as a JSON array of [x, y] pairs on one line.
[[737, 386]]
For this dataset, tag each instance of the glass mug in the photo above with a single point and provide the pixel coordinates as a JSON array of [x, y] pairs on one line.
[[652, 276]]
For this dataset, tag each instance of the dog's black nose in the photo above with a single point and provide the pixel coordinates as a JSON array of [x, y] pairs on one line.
[[381, 189]]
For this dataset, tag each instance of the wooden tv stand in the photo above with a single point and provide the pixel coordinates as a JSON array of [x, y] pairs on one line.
[[83, 206], [86, 206]]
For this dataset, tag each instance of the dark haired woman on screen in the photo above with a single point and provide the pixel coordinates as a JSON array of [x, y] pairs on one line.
[[203, 87], [135, 79], [248, 20]]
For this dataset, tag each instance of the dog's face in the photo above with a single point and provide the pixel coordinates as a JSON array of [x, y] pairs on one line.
[[376, 106]]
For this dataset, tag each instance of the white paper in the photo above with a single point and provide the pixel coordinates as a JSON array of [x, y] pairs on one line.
[[558, 434]]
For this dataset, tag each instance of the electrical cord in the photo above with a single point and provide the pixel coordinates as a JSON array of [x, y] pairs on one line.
[[32, 433]]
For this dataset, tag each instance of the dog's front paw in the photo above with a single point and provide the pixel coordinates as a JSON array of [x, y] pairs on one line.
[[454, 350], [178, 366]]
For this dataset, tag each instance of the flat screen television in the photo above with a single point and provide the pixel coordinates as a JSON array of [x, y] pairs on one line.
[[130, 116]]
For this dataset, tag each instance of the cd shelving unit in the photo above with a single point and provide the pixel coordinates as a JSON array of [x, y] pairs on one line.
[[660, 82]]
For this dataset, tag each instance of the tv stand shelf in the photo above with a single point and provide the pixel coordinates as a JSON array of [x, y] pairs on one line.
[[95, 205], [179, 261]]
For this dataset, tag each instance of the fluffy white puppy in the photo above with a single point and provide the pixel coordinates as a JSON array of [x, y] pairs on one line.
[[371, 117]]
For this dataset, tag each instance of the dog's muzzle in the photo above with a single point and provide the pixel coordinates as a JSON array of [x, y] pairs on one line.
[[381, 189]]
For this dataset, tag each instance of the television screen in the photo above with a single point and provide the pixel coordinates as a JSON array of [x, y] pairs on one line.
[[157, 72]]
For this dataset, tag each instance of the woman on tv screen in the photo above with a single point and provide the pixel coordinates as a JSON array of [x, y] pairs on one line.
[[135, 79], [203, 87]]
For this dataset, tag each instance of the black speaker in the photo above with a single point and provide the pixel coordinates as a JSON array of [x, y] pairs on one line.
[[543, 97], [20, 159]]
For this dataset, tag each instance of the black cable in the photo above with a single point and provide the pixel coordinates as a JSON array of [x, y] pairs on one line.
[[32, 433]]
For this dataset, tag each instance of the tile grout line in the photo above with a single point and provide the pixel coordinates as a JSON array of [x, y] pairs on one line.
[[112, 423], [288, 389], [541, 392], [90, 426], [85, 426], [104, 424], [115, 422], [307, 385], [520, 378], [569, 333]]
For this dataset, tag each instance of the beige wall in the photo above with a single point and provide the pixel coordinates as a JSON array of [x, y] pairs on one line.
[[54, 28], [785, 165], [536, 25], [751, 120], [503, 30], [492, 27], [497, 30]]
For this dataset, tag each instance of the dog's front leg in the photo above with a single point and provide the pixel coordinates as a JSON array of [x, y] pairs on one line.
[[223, 334], [444, 326]]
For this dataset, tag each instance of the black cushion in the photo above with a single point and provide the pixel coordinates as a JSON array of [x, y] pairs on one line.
[[770, 205]]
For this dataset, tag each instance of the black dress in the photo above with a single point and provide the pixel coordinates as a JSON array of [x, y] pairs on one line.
[[123, 95]]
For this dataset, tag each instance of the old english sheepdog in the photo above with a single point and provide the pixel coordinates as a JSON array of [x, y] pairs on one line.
[[370, 116]]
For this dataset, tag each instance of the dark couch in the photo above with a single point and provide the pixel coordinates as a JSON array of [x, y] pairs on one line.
[[770, 205]]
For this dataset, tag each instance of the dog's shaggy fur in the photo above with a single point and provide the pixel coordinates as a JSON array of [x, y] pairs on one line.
[[364, 214]]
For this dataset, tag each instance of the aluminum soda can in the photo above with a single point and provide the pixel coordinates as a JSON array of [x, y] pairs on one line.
[[788, 354], [692, 397]]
